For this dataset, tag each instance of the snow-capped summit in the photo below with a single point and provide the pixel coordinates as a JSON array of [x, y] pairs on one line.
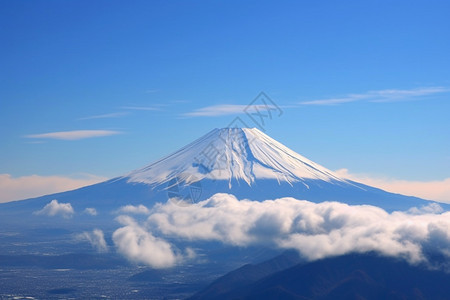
[[240, 154]]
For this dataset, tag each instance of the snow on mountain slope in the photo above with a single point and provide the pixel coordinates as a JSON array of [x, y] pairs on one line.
[[233, 154]]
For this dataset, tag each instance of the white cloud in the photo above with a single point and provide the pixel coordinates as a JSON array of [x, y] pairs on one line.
[[139, 245], [334, 101], [34, 185], [390, 95], [54, 208], [225, 109], [131, 209], [217, 110], [73, 135], [432, 208], [398, 95], [106, 116], [90, 211], [316, 230], [437, 190], [96, 238]]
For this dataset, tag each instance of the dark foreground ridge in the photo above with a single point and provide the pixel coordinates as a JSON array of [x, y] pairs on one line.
[[355, 276]]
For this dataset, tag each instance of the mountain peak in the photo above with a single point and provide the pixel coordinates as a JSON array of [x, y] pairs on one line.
[[233, 154]]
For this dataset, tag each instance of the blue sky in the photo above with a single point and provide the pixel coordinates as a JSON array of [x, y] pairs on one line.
[[363, 86]]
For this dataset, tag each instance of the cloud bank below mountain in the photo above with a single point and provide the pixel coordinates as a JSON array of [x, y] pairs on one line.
[[315, 230], [139, 245]]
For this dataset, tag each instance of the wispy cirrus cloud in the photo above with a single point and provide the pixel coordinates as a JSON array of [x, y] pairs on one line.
[[217, 110], [73, 134], [107, 116], [226, 109], [388, 95], [127, 111]]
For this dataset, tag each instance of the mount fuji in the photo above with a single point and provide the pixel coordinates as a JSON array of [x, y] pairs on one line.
[[251, 165], [232, 197], [240, 161]]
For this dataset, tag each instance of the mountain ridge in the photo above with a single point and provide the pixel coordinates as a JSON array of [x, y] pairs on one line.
[[350, 276]]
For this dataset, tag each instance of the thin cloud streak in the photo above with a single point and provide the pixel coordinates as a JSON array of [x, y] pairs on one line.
[[217, 110], [334, 101], [402, 95], [389, 95], [73, 135], [223, 110], [106, 116]]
